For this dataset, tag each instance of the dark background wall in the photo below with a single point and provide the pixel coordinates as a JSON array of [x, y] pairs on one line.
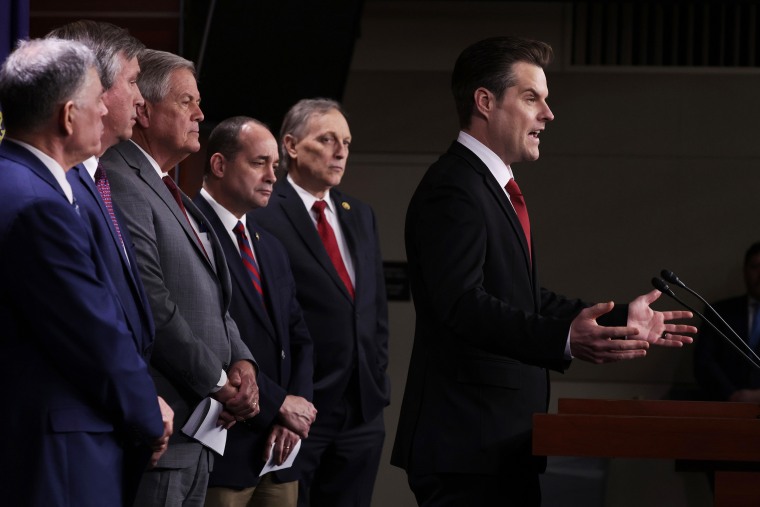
[[651, 162]]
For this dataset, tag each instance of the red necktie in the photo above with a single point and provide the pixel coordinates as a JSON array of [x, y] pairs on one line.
[[169, 182], [518, 202], [104, 189], [246, 254], [331, 244]]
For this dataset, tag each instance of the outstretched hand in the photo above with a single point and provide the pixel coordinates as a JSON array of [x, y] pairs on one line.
[[594, 343], [653, 325]]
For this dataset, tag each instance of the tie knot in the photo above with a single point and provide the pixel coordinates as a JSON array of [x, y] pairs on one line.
[[169, 182], [100, 173], [512, 188], [319, 206], [239, 228]]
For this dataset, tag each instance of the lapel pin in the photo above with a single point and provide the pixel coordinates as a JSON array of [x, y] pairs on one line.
[[257, 235], [345, 205]]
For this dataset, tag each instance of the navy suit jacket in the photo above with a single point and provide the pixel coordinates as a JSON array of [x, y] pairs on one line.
[[350, 336], [78, 387], [120, 261], [278, 338], [486, 331], [719, 369]]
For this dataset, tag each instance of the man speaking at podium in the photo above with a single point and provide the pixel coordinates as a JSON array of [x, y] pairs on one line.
[[486, 332]]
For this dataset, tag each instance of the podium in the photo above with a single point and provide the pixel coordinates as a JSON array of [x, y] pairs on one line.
[[722, 437]]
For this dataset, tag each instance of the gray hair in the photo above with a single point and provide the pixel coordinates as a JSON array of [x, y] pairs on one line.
[[39, 76], [106, 40], [297, 118], [156, 68]]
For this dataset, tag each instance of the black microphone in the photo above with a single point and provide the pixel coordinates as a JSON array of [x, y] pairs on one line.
[[663, 287], [672, 278]]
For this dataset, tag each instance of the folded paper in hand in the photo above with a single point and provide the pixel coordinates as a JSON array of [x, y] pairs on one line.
[[202, 425], [271, 466]]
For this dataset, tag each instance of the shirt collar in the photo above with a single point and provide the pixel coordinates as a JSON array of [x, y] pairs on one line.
[[229, 221], [152, 161], [501, 171], [308, 199], [91, 164], [52, 165]]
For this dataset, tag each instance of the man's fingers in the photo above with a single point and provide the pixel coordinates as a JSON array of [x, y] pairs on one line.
[[676, 315], [599, 309]]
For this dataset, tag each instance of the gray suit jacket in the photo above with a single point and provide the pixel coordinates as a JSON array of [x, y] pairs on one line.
[[189, 295]]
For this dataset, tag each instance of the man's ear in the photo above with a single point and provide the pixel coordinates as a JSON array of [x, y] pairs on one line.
[[66, 118], [143, 115], [289, 142], [484, 101], [217, 163]]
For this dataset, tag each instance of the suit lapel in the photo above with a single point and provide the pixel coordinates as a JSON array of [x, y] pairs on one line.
[[24, 157], [148, 174], [237, 271], [499, 196], [352, 233], [89, 184], [298, 215], [266, 280]]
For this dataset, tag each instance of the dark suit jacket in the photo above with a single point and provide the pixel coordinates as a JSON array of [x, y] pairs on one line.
[[278, 338], [188, 294], [486, 331], [121, 262], [349, 336], [719, 369], [77, 386], [121, 265]]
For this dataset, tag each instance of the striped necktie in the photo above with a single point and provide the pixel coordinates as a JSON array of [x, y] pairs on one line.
[[246, 254]]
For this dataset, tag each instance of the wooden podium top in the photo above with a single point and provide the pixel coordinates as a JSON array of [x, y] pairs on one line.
[[690, 430]]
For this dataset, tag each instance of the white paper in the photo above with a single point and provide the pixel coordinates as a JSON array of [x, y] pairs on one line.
[[202, 426], [272, 466]]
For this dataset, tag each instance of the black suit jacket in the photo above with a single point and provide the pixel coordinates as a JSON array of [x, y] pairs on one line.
[[486, 331], [350, 336], [719, 369], [278, 338]]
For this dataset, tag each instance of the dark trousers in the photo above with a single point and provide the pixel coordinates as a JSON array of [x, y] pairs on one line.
[[457, 490], [339, 460]]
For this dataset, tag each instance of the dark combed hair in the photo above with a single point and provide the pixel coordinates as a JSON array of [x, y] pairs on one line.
[[225, 138], [488, 64]]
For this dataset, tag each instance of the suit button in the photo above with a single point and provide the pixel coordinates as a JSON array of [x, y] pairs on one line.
[[225, 366], [282, 353]]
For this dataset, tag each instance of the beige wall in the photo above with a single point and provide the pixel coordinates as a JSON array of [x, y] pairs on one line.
[[641, 170]]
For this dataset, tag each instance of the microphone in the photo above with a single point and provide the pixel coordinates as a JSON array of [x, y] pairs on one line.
[[663, 287], [672, 278]]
